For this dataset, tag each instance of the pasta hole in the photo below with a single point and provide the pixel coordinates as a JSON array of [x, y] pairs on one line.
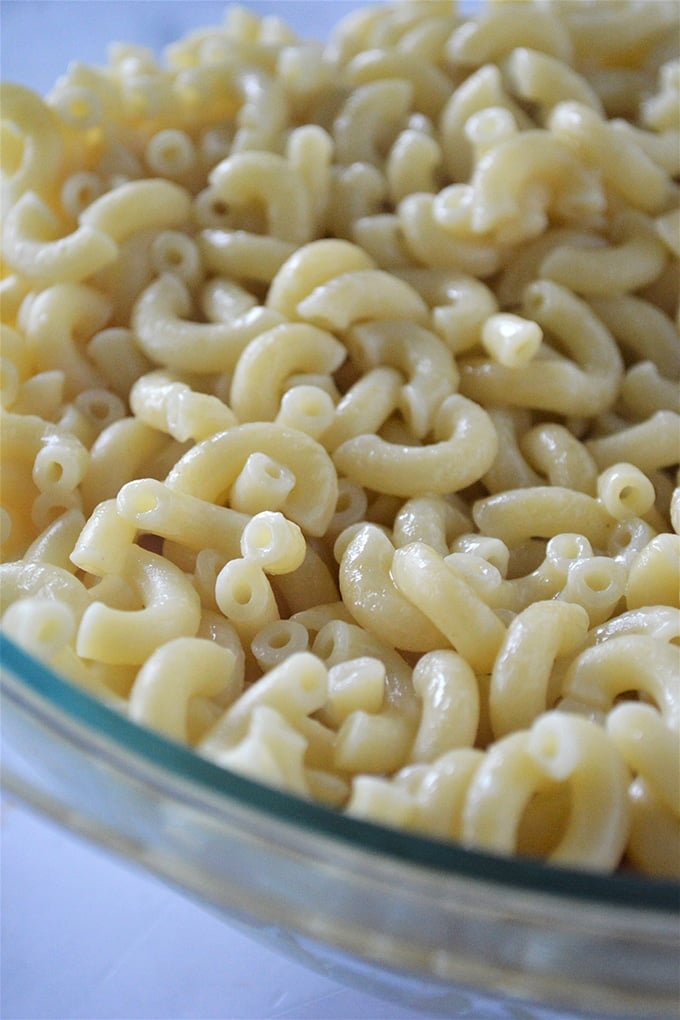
[[144, 503], [49, 631], [54, 472], [242, 593], [261, 535], [627, 496], [279, 639], [220, 208], [543, 822], [598, 580]]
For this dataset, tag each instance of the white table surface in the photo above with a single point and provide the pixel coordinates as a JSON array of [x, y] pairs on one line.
[[84, 934]]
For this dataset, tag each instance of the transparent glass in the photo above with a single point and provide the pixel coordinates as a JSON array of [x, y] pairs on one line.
[[431, 924]]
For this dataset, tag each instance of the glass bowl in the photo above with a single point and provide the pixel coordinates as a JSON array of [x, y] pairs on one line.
[[440, 928]]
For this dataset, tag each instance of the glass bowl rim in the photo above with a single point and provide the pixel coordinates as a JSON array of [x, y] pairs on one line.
[[176, 761]]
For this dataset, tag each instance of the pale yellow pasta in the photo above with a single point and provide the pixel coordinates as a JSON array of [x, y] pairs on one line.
[[339, 414], [644, 391], [417, 353], [190, 667], [296, 688], [510, 339], [169, 339], [171, 609], [520, 678], [33, 128], [308, 408], [624, 165], [649, 747], [367, 586], [56, 543], [276, 641], [239, 253], [654, 574], [555, 452], [412, 164], [262, 483], [597, 584], [445, 465], [274, 543], [54, 319], [161, 400], [115, 354], [271, 751], [585, 385], [502, 28], [121, 452], [270, 358], [151, 506], [546, 80], [625, 491], [627, 662], [544, 511], [471, 628], [136, 206], [449, 693], [529, 179], [635, 258], [647, 445]]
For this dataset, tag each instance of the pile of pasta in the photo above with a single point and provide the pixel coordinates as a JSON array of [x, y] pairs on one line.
[[340, 417]]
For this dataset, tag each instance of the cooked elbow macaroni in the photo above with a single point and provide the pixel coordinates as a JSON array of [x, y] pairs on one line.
[[340, 421]]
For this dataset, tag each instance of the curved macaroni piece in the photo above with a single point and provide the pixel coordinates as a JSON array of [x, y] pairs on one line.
[[271, 358], [526, 181], [635, 258], [431, 243], [547, 80], [626, 662], [242, 255], [446, 465], [310, 266], [171, 609], [209, 468], [543, 511], [649, 445], [368, 589], [36, 130], [56, 316], [363, 294], [625, 167], [295, 688], [585, 386], [272, 181], [434, 520], [154, 507], [31, 244], [450, 603], [170, 339], [649, 748], [418, 354], [448, 689], [555, 452], [174, 674], [138, 205], [654, 574], [577, 751], [370, 118], [162, 401], [488, 38], [520, 678]]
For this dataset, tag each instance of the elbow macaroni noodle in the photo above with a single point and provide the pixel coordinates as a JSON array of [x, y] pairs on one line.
[[340, 418]]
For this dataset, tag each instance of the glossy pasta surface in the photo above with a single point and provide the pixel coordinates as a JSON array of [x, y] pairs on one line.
[[340, 411]]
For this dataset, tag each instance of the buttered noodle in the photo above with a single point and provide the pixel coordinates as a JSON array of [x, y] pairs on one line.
[[340, 417]]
